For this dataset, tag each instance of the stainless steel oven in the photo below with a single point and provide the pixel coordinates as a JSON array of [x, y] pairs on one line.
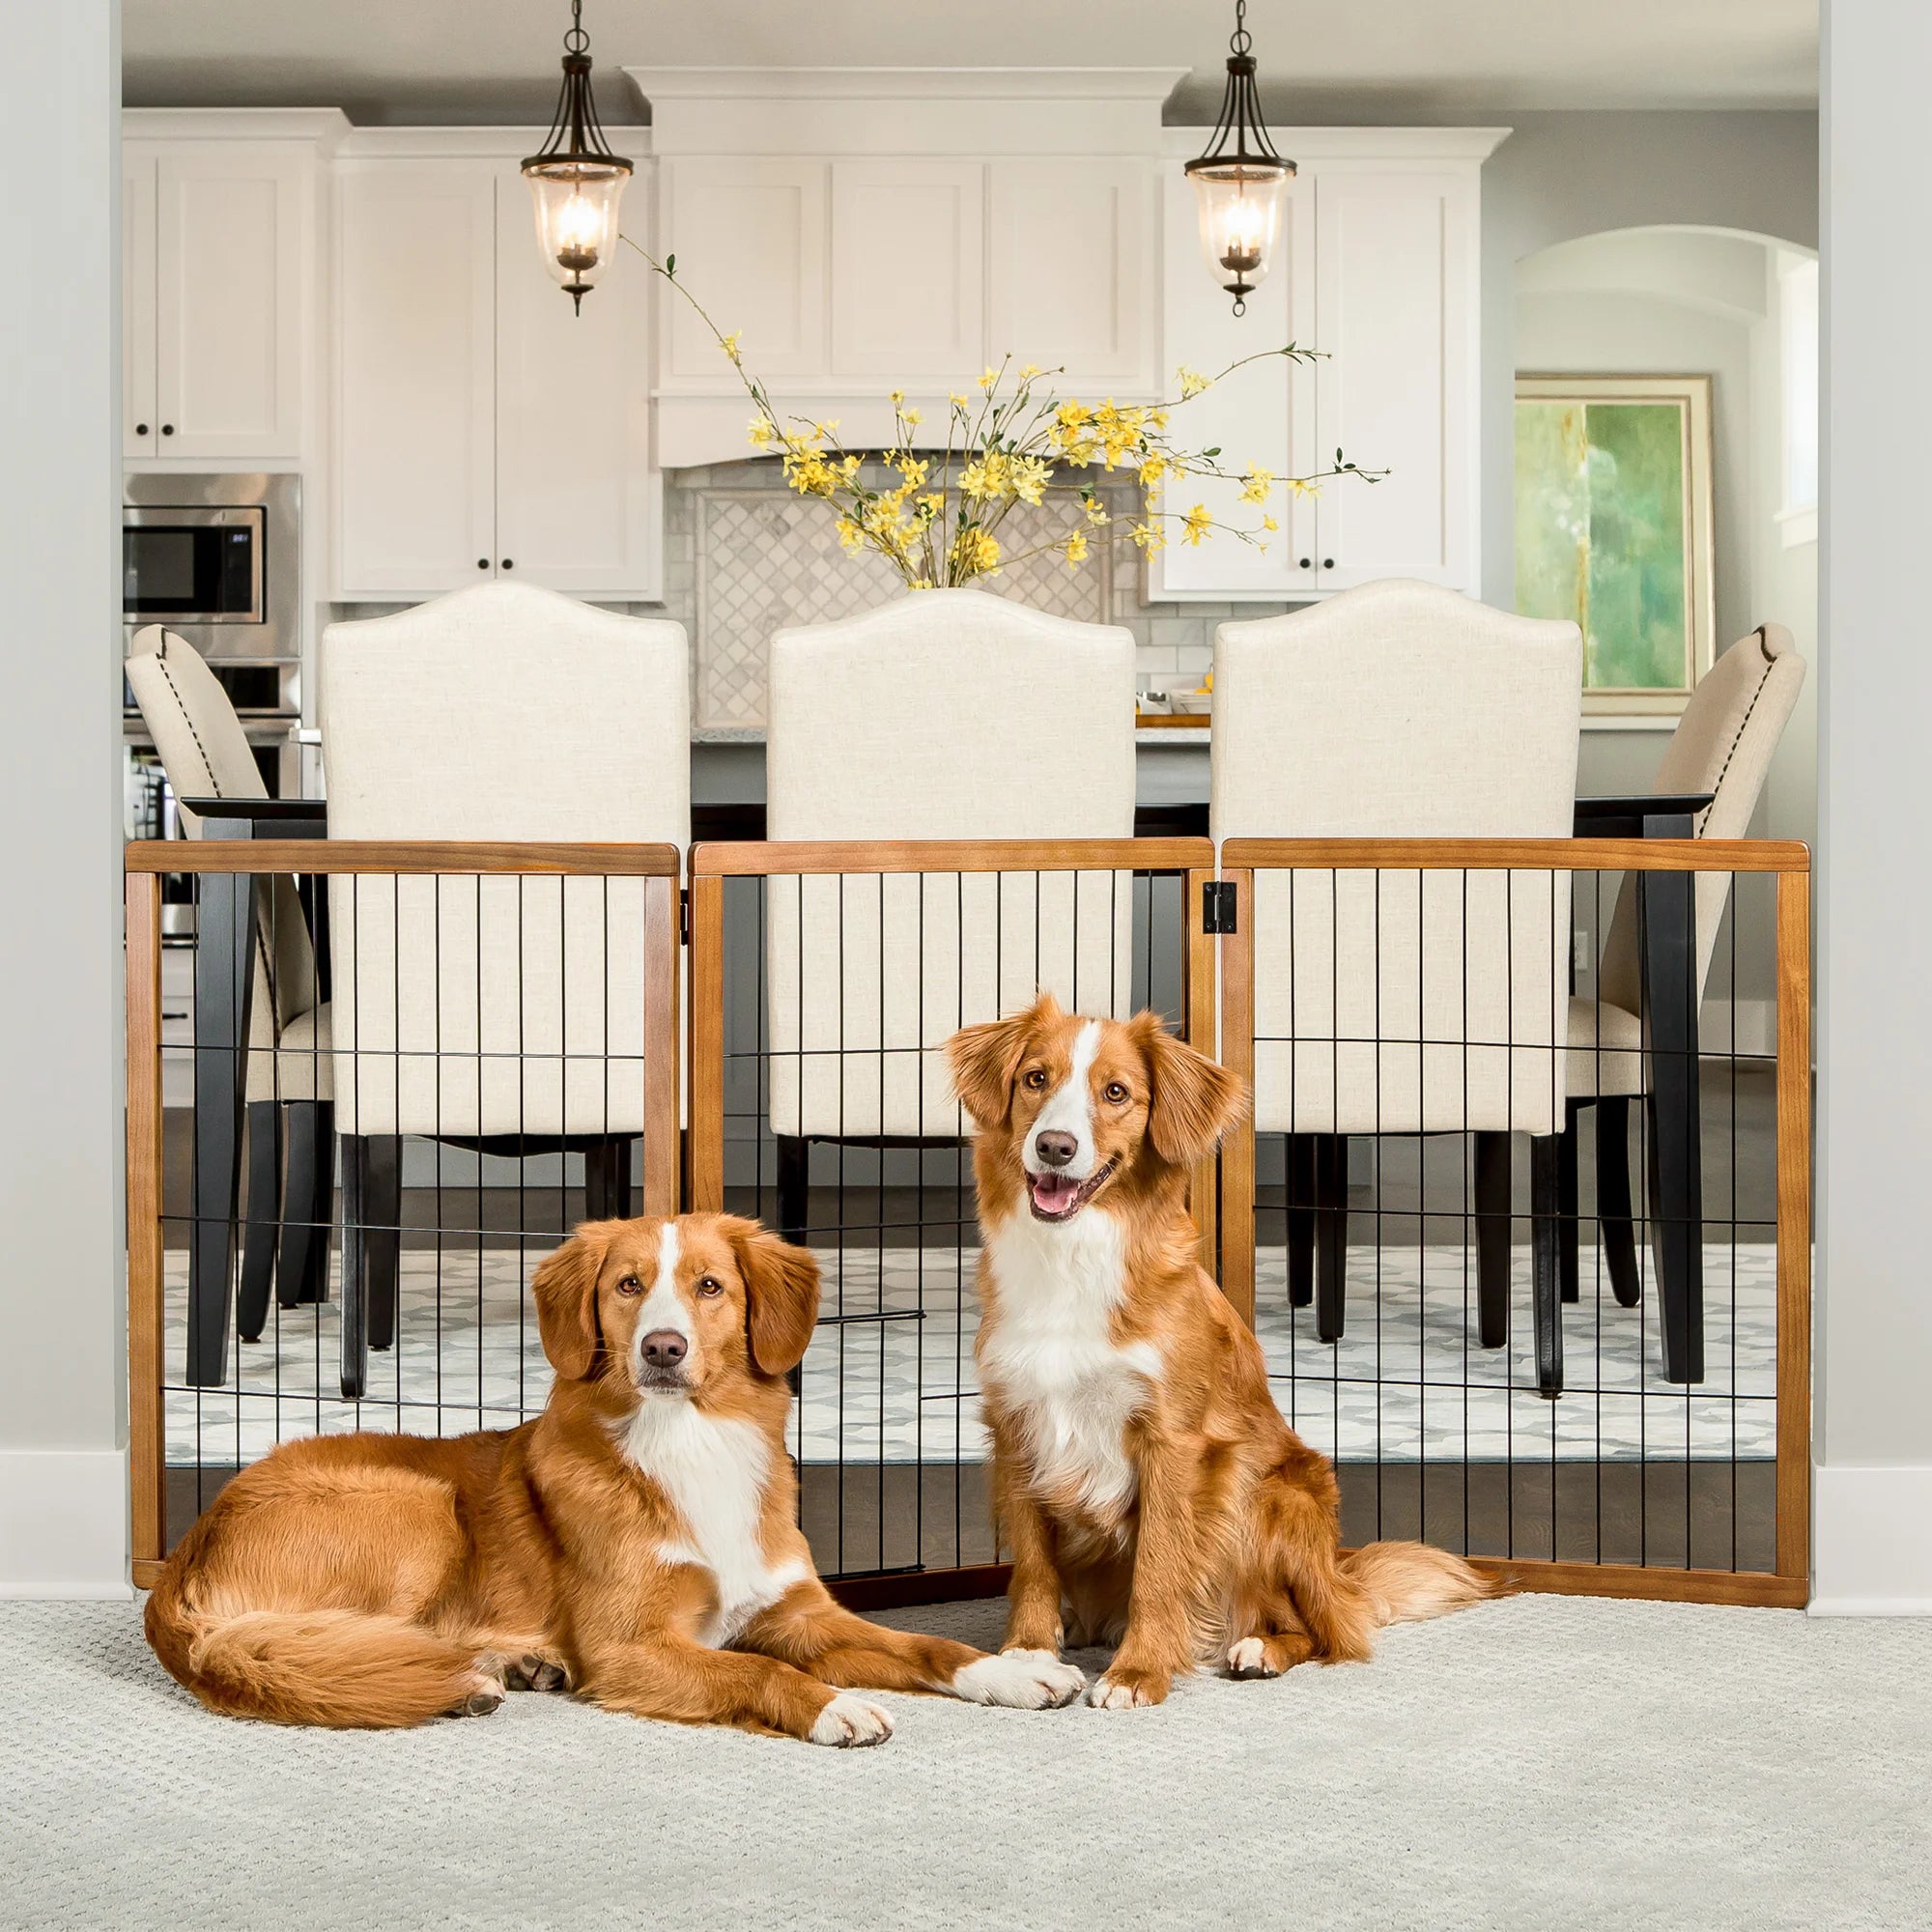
[[217, 558]]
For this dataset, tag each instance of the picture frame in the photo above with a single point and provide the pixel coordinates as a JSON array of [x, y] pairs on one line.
[[1614, 529]]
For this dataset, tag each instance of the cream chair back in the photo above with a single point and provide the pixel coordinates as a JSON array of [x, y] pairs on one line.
[[1723, 744], [946, 714], [498, 1006], [205, 753], [1392, 1001]]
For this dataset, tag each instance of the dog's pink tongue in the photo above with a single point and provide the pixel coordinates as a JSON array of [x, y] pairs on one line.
[[1054, 1191]]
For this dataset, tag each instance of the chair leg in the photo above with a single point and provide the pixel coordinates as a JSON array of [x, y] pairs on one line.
[[606, 1180], [1614, 1200], [1546, 1188], [383, 1194], [1300, 1220], [794, 1185], [1566, 1211], [1493, 1239], [354, 1267], [1331, 1234], [262, 1218], [224, 993], [307, 1188], [618, 1182], [1677, 1220]]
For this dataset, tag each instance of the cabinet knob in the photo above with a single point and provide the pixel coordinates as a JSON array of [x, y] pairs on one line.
[[140, 429], [509, 565], [1308, 563], [1327, 563], [482, 564], [167, 429]]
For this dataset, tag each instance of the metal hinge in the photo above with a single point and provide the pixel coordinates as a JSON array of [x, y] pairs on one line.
[[1217, 905], [684, 915]]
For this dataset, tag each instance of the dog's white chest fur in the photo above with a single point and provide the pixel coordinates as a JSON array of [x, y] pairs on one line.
[[712, 1470], [1048, 1357]]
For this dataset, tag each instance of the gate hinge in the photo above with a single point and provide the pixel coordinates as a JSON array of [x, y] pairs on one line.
[[1217, 905], [684, 915]]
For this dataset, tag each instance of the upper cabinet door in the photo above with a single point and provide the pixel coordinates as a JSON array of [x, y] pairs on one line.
[[908, 269], [1072, 279], [576, 504], [1262, 414], [750, 242], [140, 427], [231, 255], [415, 390], [1395, 294]]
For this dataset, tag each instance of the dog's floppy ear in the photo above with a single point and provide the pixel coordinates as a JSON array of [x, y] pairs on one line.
[[781, 1294], [565, 1287], [1195, 1101], [985, 1059]]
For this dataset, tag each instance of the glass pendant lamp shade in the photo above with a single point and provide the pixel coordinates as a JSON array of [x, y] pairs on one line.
[[1240, 182], [576, 181]]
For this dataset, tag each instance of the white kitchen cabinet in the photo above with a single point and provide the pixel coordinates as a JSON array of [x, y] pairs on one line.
[[908, 270], [1071, 269], [1379, 270], [483, 428], [217, 253]]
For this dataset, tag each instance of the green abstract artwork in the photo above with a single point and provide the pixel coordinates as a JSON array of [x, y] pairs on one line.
[[1601, 535]]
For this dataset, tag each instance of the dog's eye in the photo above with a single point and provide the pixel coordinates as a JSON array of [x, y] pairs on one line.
[[1115, 1092], [709, 1286], [630, 1285], [1033, 1079]]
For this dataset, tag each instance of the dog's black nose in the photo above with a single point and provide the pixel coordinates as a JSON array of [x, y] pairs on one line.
[[1055, 1148], [663, 1348]]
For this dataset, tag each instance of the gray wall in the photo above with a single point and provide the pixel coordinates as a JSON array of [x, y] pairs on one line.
[[1873, 1546], [63, 1479]]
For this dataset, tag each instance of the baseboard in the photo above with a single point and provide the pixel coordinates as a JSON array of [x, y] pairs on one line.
[[64, 1523], [1871, 1541]]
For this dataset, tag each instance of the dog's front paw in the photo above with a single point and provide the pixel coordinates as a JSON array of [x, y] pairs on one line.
[[1248, 1658], [1127, 1690], [537, 1670], [850, 1720], [1025, 1680]]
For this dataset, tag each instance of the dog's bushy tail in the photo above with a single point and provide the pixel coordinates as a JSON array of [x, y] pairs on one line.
[[343, 1668], [1405, 1582]]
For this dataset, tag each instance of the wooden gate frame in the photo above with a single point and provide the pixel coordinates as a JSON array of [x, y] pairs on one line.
[[144, 863], [1788, 1583], [713, 863]]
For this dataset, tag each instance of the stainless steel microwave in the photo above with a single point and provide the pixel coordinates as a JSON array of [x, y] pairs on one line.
[[217, 558]]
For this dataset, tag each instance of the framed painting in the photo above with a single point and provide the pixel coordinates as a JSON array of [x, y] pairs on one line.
[[1613, 529]]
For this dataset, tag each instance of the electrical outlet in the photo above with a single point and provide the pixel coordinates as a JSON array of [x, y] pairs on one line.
[[1580, 956]]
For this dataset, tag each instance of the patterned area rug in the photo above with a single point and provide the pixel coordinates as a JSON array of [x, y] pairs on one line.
[[889, 1377]]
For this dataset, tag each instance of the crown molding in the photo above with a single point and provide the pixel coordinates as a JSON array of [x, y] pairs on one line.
[[1342, 144], [325, 126], [393, 144], [906, 84]]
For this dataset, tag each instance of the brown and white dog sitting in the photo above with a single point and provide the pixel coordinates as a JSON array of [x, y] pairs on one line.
[[634, 1543], [1143, 1476]]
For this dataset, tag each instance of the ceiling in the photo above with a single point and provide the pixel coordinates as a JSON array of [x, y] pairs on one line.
[[494, 60]]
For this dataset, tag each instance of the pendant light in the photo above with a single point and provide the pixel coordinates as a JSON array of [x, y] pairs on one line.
[[1240, 182], [576, 180]]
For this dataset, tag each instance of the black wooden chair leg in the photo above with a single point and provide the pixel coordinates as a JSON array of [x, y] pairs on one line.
[[606, 1180], [1493, 1239], [1300, 1220], [1331, 1234], [224, 992], [1614, 1200], [308, 1187], [617, 1179], [1566, 1211], [1546, 1188], [383, 1194], [262, 1218], [794, 1185], [1677, 1222], [354, 1267]]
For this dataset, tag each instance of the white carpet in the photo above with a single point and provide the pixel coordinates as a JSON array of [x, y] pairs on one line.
[[1406, 1381], [1542, 1762]]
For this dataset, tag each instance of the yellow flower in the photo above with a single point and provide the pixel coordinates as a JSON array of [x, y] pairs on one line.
[[1260, 482], [933, 502], [1269, 524], [729, 344], [762, 430], [1196, 523], [1148, 537], [1303, 488], [1152, 468], [912, 469], [1031, 370], [1075, 549], [1027, 479], [848, 534], [973, 551], [957, 400], [911, 417], [989, 377], [1097, 511], [987, 476], [1193, 381], [896, 397]]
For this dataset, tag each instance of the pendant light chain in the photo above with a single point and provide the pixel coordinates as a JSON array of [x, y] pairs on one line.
[[576, 41], [1241, 41]]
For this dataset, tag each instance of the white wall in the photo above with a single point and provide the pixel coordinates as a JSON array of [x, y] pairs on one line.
[[63, 1470], [1873, 1414]]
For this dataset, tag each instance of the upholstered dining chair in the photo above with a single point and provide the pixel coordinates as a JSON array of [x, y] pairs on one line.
[[205, 753], [1395, 1003], [502, 1014], [945, 714], [1723, 746]]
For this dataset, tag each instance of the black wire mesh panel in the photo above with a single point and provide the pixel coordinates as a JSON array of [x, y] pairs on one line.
[[824, 988], [1524, 1216], [366, 1098]]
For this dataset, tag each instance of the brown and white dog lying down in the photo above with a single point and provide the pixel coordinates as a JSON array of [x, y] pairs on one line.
[[1143, 1476], [636, 1542]]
